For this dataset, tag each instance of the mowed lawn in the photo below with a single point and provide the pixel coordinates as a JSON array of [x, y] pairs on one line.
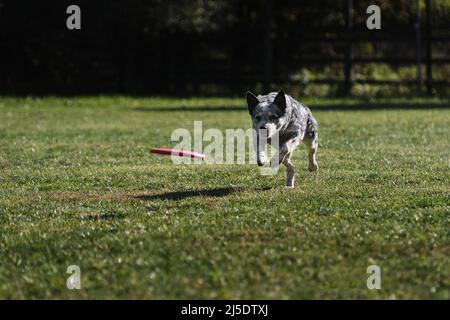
[[78, 186]]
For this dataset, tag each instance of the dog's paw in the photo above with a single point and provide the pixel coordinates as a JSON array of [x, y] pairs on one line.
[[261, 161], [290, 182], [313, 166]]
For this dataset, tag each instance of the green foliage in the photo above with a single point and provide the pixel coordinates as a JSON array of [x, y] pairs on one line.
[[214, 47], [368, 71], [78, 186]]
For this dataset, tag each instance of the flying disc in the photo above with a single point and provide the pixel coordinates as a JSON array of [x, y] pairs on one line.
[[177, 153]]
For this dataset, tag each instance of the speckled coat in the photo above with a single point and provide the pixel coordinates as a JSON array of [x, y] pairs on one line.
[[291, 121]]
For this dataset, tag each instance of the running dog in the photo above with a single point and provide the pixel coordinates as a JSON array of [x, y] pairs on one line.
[[280, 114]]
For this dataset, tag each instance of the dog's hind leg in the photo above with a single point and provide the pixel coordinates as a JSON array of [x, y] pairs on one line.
[[312, 145], [290, 171]]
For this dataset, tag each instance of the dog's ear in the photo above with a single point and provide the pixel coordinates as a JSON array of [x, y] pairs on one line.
[[252, 101], [280, 101]]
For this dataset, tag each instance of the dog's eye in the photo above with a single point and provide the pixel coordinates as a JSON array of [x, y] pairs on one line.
[[257, 118]]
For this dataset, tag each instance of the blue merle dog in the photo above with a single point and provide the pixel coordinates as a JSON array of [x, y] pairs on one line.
[[279, 113]]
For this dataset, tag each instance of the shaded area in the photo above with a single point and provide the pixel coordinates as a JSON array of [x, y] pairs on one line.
[[221, 47], [193, 108], [319, 107], [377, 106], [146, 196], [180, 195]]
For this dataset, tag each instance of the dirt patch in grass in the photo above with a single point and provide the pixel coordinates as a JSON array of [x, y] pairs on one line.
[[80, 196]]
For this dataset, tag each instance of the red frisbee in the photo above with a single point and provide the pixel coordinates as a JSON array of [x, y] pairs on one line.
[[177, 153]]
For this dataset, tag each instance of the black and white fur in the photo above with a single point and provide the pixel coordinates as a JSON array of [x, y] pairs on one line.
[[294, 123]]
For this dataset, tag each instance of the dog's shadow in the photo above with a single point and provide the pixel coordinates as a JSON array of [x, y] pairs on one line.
[[185, 194], [180, 195]]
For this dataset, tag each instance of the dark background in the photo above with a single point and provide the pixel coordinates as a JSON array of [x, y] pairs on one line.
[[224, 47]]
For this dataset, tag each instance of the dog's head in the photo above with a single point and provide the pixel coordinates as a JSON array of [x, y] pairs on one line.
[[270, 116]]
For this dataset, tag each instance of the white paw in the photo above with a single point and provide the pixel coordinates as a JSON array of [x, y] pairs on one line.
[[261, 160]]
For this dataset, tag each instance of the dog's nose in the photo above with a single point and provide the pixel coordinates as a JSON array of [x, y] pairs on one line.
[[263, 127]]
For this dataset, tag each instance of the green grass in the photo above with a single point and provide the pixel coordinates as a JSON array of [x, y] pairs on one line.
[[78, 186]]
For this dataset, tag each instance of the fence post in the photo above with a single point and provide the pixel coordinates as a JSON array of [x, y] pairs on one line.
[[428, 48], [418, 48], [348, 50]]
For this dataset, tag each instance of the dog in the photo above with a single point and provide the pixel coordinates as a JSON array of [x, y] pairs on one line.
[[280, 114]]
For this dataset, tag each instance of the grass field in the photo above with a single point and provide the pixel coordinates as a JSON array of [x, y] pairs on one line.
[[79, 187]]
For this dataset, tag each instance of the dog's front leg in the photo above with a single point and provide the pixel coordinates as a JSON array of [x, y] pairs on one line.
[[283, 156], [259, 143]]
